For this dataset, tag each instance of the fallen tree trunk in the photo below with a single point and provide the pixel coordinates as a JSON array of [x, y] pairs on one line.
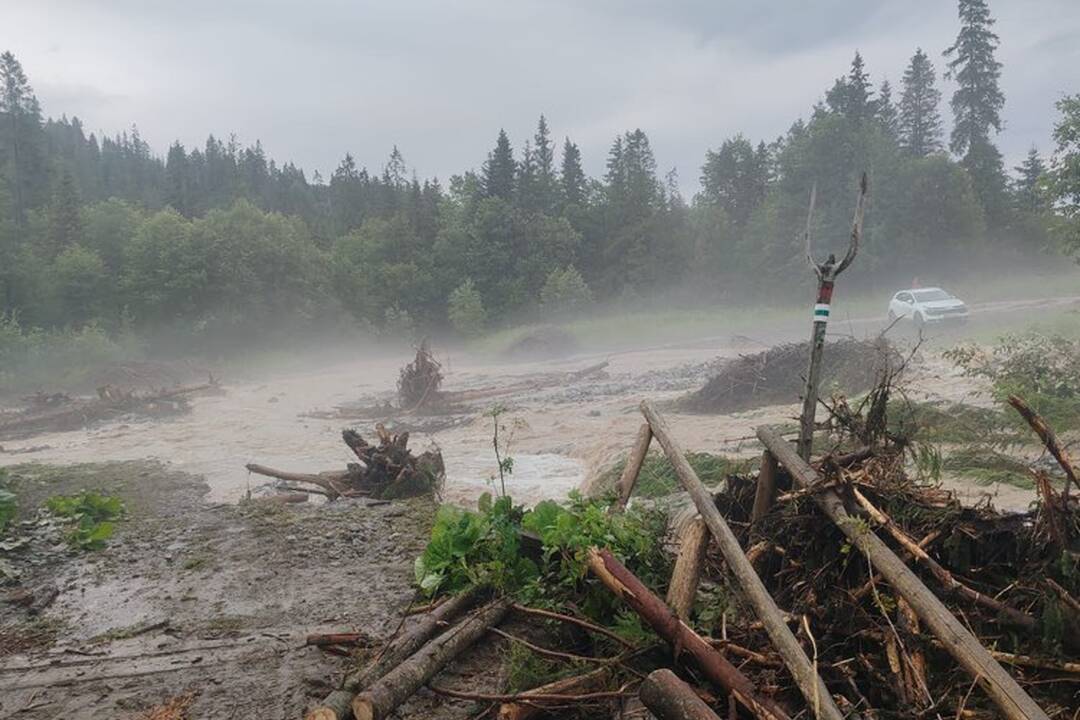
[[385, 695], [1049, 438], [765, 494], [524, 708], [332, 481], [338, 704], [810, 683], [681, 636], [669, 698], [625, 485], [1010, 698], [693, 542]]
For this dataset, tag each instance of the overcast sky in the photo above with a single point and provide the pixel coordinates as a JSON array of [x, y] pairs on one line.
[[317, 78]]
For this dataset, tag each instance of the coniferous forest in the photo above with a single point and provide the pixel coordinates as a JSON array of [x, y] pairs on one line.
[[104, 234]]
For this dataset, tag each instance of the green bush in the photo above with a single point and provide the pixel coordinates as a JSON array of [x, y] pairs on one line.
[[90, 517], [33, 357], [565, 291], [465, 309], [1044, 370], [484, 548]]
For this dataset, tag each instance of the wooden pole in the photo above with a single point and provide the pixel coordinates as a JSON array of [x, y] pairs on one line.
[[384, 696], [338, 704], [681, 636], [765, 495], [827, 273], [806, 677], [1013, 702], [1049, 438], [669, 698], [625, 485], [693, 542]]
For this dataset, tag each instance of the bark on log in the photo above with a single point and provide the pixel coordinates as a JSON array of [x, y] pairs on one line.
[[681, 636], [381, 698], [576, 685], [338, 704], [625, 485], [765, 495], [669, 698], [694, 540], [810, 684], [1003, 689]]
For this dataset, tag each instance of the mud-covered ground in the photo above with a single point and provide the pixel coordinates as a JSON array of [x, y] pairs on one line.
[[193, 597]]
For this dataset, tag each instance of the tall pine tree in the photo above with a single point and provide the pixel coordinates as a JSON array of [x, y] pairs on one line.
[[20, 136], [544, 157], [497, 175], [572, 176], [920, 120], [885, 111], [1026, 188]]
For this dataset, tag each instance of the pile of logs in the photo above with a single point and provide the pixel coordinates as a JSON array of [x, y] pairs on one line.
[[58, 412], [842, 656], [385, 471]]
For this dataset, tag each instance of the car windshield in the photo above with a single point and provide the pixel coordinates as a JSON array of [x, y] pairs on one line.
[[931, 295]]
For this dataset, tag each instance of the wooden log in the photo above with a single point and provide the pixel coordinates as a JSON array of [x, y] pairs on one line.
[[524, 708], [915, 669], [810, 683], [765, 495], [381, 698], [1003, 689], [338, 704], [669, 698], [694, 540], [950, 583], [331, 481], [625, 485], [680, 635]]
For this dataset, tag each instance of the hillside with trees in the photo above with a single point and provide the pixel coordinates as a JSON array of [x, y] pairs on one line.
[[103, 235]]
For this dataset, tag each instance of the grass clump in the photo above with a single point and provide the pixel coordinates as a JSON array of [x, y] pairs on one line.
[[90, 517], [657, 477]]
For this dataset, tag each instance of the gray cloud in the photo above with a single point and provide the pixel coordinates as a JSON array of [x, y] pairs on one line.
[[315, 79]]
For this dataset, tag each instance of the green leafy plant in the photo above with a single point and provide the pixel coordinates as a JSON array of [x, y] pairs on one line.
[[90, 517]]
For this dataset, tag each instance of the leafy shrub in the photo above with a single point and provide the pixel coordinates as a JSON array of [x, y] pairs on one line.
[[465, 309], [485, 548], [1042, 369], [31, 356], [565, 291], [90, 517]]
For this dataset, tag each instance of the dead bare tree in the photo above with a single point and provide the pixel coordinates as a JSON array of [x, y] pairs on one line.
[[827, 272]]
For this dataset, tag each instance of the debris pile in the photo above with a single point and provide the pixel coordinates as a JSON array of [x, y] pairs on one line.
[[841, 588], [776, 375], [419, 381], [385, 471], [58, 412]]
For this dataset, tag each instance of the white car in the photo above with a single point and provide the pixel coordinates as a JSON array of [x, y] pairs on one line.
[[927, 305]]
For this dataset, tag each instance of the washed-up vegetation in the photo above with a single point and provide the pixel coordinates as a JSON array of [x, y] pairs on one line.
[[90, 517], [657, 478]]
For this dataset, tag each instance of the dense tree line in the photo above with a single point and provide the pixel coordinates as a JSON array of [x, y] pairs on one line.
[[220, 240]]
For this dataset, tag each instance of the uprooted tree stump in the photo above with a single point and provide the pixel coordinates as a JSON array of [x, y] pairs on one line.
[[419, 381], [386, 471]]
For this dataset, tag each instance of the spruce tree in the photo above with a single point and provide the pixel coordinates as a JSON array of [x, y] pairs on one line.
[[920, 121], [177, 194], [544, 157], [20, 141], [526, 179], [65, 222], [977, 101], [572, 176], [851, 96], [497, 175], [1026, 188], [886, 112]]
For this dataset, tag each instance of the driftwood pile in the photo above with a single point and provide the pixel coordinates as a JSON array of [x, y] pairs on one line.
[[776, 375], [838, 589], [58, 412], [385, 471]]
